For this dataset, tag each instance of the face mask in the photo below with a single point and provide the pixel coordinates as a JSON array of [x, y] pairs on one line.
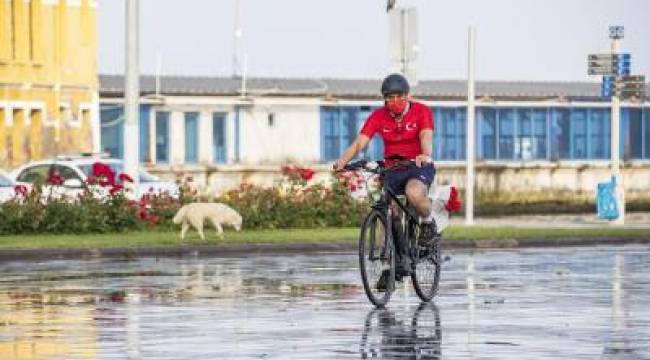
[[396, 105]]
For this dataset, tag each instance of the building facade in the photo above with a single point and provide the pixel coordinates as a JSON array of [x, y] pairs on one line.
[[528, 135], [48, 79]]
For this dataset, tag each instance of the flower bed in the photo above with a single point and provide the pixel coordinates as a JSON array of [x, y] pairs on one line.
[[104, 206]]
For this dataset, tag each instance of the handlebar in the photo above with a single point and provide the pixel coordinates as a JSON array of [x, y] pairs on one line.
[[376, 166]]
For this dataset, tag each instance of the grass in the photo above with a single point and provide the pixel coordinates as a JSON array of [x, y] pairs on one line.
[[289, 236]]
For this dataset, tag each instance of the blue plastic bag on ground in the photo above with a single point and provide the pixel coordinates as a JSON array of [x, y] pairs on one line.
[[606, 200]]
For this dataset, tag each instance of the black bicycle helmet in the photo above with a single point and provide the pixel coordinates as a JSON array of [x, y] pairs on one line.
[[395, 83]]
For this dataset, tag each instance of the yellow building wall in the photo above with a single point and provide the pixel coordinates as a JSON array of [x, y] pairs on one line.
[[48, 78]]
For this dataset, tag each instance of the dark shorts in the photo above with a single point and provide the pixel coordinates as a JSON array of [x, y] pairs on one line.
[[397, 179]]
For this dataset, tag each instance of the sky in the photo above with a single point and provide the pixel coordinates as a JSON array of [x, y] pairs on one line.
[[541, 40]]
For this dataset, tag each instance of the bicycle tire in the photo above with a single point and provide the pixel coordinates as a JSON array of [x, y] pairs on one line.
[[370, 257], [426, 277]]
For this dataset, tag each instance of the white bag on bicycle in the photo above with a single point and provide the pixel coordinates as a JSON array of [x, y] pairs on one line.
[[442, 198]]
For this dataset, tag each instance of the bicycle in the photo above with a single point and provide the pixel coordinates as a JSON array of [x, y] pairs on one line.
[[376, 245]]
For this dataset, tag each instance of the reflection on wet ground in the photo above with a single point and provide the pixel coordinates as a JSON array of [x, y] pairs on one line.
[[568, 303]]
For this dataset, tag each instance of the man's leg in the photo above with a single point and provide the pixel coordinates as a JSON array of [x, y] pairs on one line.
[[416, 191]]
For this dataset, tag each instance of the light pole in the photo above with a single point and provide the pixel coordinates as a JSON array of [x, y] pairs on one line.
[[469, 153], [616, 34], [237, 34], [131, 96]]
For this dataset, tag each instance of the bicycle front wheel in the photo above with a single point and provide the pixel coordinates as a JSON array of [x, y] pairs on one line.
[[426, 276], [377, 259]]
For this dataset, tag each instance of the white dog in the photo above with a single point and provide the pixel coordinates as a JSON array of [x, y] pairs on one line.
[[195, 214]]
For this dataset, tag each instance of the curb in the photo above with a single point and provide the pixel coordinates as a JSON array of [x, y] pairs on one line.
[[259, 249]]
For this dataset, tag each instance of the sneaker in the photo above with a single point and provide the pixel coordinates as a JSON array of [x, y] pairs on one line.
[[382, 283], [427, 234]]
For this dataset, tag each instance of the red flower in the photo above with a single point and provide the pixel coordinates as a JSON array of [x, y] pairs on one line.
[[297, 173], [20, 190], [306, 174], [153, 219], [115, 189], [125, 178], [453, 204], [104, 173], [54, 178]]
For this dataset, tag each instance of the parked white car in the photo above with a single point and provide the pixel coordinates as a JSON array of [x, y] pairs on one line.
[[74, 172], [7, 187]]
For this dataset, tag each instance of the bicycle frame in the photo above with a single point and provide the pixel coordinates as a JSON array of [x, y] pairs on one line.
[[383, 205]]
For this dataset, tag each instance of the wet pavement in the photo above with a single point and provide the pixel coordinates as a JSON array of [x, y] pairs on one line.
[[561, 303]]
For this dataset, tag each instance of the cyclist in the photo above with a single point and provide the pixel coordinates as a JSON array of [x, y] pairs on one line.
[[406, 128]]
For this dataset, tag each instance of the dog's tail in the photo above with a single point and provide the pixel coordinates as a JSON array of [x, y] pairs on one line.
[[178, 218]]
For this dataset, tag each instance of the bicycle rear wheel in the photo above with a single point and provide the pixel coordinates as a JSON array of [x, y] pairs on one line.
[[426, 276], [376, 256]]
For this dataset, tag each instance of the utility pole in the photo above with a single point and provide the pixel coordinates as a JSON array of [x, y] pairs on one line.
[[616, 34], [131, 97], [469, 153], [237, 34]]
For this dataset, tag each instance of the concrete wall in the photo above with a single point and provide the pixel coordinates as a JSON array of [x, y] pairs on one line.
[[280, 133], [489, 177]]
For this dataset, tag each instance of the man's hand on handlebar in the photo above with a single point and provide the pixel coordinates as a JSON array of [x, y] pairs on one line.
[[422, 160], [339, 165]]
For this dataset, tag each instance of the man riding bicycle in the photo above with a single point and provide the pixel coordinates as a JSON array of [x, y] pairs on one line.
[[406, 128]]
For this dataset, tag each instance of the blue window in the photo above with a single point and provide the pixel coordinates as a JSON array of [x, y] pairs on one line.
[[191, 137], [162, 136], [540, 131], [524, 141], [579, 125], [599, 129], [487, 139], [632, 133], [561, 134], [646, 137], [219, 137], [348, 121], [506, 118], [449, 140], [331, 135], [340, 127], [144, 133], [580, 133], [375, 150], [112, 129]]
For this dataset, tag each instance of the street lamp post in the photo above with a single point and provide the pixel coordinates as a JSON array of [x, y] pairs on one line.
[[131, 96], [470, 153], [616, 34]]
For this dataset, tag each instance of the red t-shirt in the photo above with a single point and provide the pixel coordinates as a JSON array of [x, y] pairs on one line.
[[400, 138]]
